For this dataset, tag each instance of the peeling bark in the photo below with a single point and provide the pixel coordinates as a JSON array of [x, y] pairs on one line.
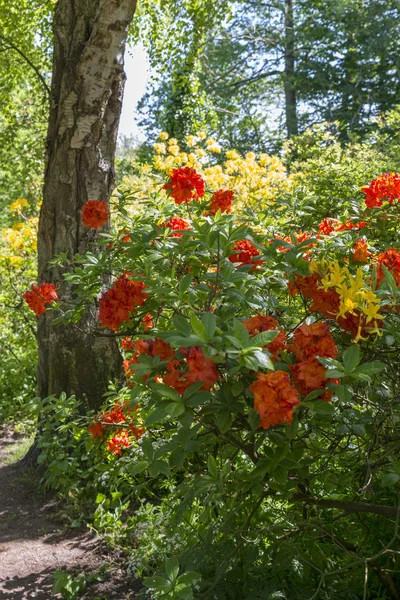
[[86, 99]]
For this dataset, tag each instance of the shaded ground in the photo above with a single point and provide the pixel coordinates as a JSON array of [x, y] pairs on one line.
[[34, 543]]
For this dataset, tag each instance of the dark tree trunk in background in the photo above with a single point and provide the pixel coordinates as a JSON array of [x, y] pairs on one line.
[[86, 98], [289, 75]]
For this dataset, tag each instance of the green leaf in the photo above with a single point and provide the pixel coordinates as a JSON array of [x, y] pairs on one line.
[[184, 284], [182, 325], [351, 357], [241, 334], [263, 338], [165, 391], [172, 568], [344, 393], [323, 408], [183, 591], [210, 323], [390, 479], [212, 467], [254, 420], [224, 420], [198, 327], [158, 583], [257, 360], [199, 398], [159, 466], [139, 467], [189, 577], [100, 498], [175, 409], [157, 415]]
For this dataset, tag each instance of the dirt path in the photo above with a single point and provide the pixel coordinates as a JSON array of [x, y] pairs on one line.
[[34, 544]]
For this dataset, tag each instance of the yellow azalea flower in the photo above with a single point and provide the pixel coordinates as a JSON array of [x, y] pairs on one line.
[[213, 146], [191, 140], [160, 148], [18, 205], [163, 135], [202, 135]]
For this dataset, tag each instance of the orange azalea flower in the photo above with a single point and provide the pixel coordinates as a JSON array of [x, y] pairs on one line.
[[391, 260], [185, 185], [244, 254], [94, 214], [175, 377], [96, 431], [326, 302], [177, 224], [360, 251], [221, 200], [119, 441], [148, 322], [201, 369], [40, 295], [383, 188], [313, 340], [261, 323], [328, 225], [274, 398], [309, 375], [117, 304]]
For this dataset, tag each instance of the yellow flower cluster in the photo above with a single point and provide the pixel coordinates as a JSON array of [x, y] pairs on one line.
[[255, 181], [355, 296], [17, 243], [18, 206]]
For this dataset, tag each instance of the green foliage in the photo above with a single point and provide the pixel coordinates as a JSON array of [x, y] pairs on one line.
[[286, 510]]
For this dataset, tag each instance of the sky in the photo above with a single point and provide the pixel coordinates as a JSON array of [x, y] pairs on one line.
[[137, 71]]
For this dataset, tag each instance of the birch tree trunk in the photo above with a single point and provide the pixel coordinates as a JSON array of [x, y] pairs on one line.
[[86, 98]]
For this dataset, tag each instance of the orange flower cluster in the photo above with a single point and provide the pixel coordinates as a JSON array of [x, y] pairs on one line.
[[274, 398], [360, 251], [185, 185], [300, 237], [94, 214], [120, 413], [180, 373], [383, 188], [119, 441], [221, 200], [327, 302], [260, 323], [310, 341], [177, 224], [117, 304], [40, 295], [329, 225], [196, 369], [391, 260], [153, 348], [245, 253]]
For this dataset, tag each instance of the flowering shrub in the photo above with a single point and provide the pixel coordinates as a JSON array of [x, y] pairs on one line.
[[17, 342], [260, 392]]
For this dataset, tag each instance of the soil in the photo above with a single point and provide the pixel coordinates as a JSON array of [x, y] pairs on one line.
[[35, 543]]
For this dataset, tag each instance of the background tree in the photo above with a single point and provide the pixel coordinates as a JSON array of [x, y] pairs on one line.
[[270, 69], [86, 98]]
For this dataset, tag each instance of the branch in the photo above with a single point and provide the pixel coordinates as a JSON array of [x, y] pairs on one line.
[[27, 60], [350, 507]]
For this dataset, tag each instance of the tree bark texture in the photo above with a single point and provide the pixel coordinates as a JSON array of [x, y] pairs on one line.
[[289, 75], [86, 99]]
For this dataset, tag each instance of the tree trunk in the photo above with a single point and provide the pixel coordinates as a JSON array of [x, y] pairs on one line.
[[289, 75], [86, 98]]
